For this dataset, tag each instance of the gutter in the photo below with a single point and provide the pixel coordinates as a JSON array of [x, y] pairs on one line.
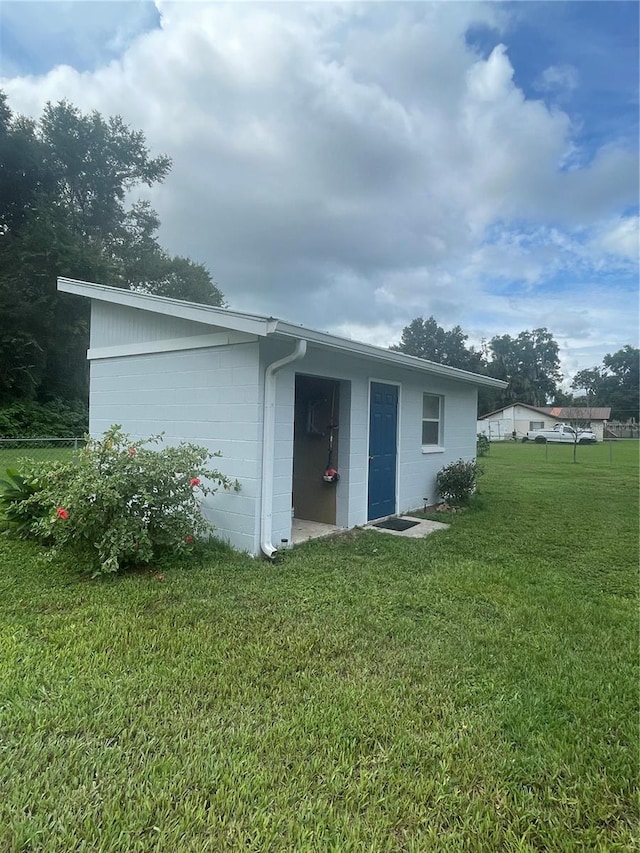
[[357, 348], [268, 450]]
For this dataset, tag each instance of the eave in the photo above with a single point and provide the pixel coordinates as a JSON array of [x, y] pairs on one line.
[[253, 324]]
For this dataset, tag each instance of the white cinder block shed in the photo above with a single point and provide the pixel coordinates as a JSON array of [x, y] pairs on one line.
[[282, 403]]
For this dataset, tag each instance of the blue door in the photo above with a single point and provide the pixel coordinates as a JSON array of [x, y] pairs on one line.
[[383, 432]]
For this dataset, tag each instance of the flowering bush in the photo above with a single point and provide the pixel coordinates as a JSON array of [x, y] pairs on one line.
[[457, 482], [120, 503]]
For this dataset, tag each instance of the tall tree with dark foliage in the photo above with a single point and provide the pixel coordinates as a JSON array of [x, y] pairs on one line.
[[64, 184]]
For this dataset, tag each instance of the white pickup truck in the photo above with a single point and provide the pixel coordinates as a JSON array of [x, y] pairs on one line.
[[561, 433]]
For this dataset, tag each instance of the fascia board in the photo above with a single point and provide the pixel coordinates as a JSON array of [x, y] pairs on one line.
[[324, 339], [221, 317]]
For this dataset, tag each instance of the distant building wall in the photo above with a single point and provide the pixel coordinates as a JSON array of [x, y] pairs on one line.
[[499, 426]]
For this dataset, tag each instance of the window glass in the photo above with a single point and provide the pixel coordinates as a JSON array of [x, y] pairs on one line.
[[430, 432], [431, 419], [430, 407]]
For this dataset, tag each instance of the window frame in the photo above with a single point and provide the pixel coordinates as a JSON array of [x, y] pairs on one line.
[[536, 425], [437, 447]]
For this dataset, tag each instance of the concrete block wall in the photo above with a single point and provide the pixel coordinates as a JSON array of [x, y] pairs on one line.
[[214, 397], [208, 397], [416, 469]]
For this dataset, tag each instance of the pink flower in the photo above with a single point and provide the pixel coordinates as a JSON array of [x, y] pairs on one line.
[[194, 481], [132, 451], [62, 513], [189, 539]]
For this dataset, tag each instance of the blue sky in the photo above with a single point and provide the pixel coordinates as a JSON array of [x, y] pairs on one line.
[[353, 166], [596, 43]]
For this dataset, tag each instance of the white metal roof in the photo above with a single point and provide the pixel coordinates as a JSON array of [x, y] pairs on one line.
[[264, 327]]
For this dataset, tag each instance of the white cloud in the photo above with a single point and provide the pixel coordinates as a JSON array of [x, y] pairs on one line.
[[560, 79], [621, 238], [353, 166]]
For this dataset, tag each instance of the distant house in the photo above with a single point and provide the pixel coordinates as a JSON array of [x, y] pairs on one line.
[[290, 409], [521, 417]]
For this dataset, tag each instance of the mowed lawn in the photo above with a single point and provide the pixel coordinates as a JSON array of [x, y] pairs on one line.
[[10, 458], [476, 690]]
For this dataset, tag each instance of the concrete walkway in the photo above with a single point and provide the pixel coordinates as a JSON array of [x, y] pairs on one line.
[[303, 531], [418, 531]]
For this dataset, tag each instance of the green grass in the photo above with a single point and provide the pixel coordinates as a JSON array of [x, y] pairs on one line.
[[476, 690], [12, 458]]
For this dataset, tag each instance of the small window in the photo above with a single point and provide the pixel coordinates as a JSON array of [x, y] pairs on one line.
[[431, 419], [536, 424]]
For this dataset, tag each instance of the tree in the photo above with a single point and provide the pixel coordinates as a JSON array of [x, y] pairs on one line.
[[52, 327], [590, 381], [95, 163], [529, 363], [65, 182], [23, 174], [426, 339], [615, 384], [579, 418], [622, 383]]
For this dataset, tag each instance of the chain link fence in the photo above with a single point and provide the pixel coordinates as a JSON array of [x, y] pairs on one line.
[[12, 450]]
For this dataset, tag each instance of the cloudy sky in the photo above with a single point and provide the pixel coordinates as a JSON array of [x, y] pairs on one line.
[[351, 166]]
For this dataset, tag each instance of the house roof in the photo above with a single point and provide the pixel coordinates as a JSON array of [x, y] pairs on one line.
[[566, 413], [264, 327], [594, 413]]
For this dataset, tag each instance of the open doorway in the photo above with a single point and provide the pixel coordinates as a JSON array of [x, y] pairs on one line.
[[316, 448]]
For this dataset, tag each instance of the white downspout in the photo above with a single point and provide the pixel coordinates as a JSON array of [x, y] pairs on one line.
[[268, 438]]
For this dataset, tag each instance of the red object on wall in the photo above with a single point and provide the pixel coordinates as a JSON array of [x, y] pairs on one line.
[[330, 475]]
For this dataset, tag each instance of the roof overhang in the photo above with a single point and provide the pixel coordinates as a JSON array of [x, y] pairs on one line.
[[347, 345], [266, 327], [207, 314]]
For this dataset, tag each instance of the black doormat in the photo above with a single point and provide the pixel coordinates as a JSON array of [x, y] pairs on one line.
[[396, 524]]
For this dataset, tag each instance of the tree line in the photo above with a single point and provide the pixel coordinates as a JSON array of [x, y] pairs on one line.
[[65, 184], [530, 364]]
